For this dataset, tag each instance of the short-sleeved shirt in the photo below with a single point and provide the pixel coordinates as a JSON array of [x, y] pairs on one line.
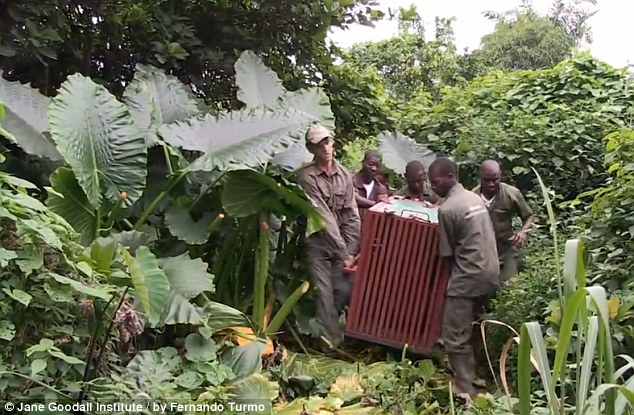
[[506, 203], [332, 194], [466, 235], [428, 195], [378, 188]]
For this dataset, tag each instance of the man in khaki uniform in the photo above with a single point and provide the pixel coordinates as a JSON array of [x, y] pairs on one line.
[[467, 242], [504, 202], [329, 186], [369, 190], [416, 187]]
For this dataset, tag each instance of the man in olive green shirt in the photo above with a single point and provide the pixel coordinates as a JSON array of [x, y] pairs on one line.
[[329, 186], [416, 187], [467, 242], [503, 202]]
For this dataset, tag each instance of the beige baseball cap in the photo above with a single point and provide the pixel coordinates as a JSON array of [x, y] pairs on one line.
[[318, 132]]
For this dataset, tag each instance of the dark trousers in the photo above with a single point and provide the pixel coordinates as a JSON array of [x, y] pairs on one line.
[[458, 338], [333, 290]]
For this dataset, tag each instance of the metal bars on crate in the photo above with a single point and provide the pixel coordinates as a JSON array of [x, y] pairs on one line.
[[399, 284]]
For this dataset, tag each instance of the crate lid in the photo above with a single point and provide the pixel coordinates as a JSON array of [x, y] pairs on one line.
[[407, 209]]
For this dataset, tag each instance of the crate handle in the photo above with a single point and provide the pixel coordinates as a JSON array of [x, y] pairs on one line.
[[416, 217]]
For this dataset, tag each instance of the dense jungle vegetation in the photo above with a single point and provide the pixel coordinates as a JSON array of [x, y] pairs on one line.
[[151, 247]]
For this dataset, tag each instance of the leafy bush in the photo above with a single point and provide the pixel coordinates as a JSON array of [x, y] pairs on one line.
[[551, 119]]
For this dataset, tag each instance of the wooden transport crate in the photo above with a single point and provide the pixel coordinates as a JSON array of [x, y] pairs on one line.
[[400, 281]]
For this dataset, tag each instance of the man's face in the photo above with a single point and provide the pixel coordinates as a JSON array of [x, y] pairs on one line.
[[324, 150], [370, 166], [490, 181], [416, 181], [439, 184]]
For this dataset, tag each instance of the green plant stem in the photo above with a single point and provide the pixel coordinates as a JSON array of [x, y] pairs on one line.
[[286, 308], [261, 271], [168, 162], [147, 212], [200, 196], [297, 339], [103, 345], [113, 213], [37, 382]]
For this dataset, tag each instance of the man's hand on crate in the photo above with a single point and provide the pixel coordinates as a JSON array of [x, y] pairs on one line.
[[349, 262]]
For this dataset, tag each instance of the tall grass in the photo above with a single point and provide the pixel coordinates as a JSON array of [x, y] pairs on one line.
[[584, 355]]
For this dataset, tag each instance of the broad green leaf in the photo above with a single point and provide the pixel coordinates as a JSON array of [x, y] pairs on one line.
[[27, 201], [37, 366], [55, 352], [179, 310], [244, 360], [45, 233], [25, 118], [68, 200], [155, 98], [182, 226], [7, 330], [6, 256], [398, 150], [131, 239], [100, 141], [258, 86], [43, 346], [188, 277], [17, 182], [200, 349], [242, 138], [223, 317], [248, 192], [255, 388], [97, 292], [149, 281], [19, 296]]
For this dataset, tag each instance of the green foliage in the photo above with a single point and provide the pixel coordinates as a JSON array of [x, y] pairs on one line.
[[610, 222], [47, 317], [551, 119], [407, 62], [194, 40], [528, 41]]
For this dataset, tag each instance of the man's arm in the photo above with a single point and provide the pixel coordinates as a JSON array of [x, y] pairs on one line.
[[331, 230], [525, 212], [363, 202], [446, 236], [350, 221]]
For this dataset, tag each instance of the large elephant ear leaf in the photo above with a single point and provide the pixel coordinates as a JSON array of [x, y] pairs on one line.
[[99, 139], [67, 199], [258, 86], [26, 120], [155, 98], [246, 138], [247, 192], [398, 150]]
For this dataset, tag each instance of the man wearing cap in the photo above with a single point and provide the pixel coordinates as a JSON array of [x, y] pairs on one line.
[[504, 202], [329, 186], [416, 187], [369, 190]]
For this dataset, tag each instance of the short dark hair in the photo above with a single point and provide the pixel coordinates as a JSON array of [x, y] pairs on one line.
[[414, 166], [372, 153], [444, 166]]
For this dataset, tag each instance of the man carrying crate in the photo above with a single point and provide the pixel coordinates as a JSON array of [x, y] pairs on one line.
[[416, 188], [467, 240], [329, 186], [369, 190]]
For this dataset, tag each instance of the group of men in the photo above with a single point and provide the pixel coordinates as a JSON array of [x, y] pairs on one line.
[[476, 237]]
